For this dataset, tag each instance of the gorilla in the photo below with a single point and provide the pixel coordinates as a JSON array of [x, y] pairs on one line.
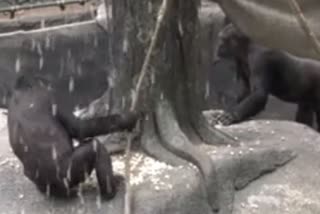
[[41, 135], [267, 71]]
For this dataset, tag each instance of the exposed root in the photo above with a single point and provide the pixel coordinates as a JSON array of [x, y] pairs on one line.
[[178, 143], [151, 145]]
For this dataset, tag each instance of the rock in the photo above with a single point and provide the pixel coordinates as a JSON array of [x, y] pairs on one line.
[[161, 188], [292, 189]]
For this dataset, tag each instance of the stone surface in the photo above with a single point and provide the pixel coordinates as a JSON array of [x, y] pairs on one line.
[[161, 188], [293, 189]]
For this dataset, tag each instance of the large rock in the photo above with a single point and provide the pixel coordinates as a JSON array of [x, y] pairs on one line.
[[295, 188], [161, 188]]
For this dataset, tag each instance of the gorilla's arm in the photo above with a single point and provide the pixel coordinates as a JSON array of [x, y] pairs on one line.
[[244, 91], [87, 128], [250, 106], [257, 100]]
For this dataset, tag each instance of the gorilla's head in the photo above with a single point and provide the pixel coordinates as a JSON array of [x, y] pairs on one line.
[[231, 42], [29, 80]]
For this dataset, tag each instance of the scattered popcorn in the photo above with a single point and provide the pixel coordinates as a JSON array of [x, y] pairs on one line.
[[145, 168]]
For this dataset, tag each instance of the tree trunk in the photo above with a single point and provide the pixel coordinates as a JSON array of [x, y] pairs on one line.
[[173, 93]]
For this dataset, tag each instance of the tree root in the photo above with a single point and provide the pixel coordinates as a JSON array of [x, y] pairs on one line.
[[151, 144], [175, 140]]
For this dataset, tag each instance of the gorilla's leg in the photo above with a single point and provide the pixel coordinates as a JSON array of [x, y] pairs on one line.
[[79, 165], [87, 157], [318, 117], [305, 114]]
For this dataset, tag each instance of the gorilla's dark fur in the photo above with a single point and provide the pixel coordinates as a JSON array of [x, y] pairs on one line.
[[41, 137], [266, 71]]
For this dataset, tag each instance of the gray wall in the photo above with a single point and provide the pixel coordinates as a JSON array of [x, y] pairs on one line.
[[70, 55]]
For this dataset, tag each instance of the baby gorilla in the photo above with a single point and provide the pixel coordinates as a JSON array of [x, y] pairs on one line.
[[41, 136], [266, 71]]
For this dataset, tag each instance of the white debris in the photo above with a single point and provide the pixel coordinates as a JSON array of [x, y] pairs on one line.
[[71, 84], [17, 65], [145, 168], [98, 202], [4, 162]]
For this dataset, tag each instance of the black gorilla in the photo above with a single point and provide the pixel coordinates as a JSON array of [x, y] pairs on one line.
[[266, 71], [41, 136]]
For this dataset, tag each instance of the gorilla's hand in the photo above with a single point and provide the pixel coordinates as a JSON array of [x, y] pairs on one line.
[[219, 117], [225, 119], [130, 119]]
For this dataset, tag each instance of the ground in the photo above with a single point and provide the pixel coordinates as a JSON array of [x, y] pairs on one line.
[[292, 188]]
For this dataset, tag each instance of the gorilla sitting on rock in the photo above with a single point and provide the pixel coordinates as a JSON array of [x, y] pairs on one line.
[[266, 71], [41, 134]]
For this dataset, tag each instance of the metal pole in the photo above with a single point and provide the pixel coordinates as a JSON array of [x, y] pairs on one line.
[[60, 3]]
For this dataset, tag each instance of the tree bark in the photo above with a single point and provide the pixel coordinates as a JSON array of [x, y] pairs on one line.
[[173, 91]]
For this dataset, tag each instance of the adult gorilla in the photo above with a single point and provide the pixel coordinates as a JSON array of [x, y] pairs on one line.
[[267, 71], [41, 136]]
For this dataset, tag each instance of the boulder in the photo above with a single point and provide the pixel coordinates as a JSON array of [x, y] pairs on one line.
[[295, 187]]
